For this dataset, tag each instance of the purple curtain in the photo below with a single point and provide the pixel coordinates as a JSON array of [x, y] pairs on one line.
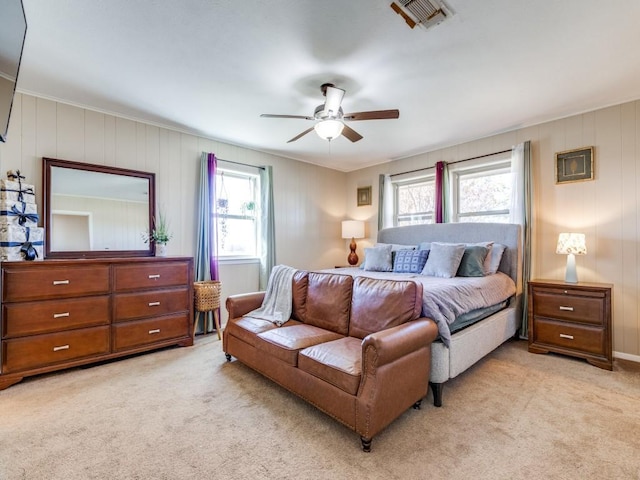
[[212, 167], [439, 192]]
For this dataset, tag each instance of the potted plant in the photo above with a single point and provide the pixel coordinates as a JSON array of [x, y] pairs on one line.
[[159, 235]]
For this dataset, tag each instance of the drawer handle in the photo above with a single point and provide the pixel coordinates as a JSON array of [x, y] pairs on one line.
[[60, 315], [154, 304], [151, 332], [61, 347], [61, 282], [567, 309], [568, 337], [154, 276]]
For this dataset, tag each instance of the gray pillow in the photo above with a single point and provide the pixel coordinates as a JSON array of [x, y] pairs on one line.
[[472, 263], [378, 259], [444, 259], [487, 260], [496, 255]]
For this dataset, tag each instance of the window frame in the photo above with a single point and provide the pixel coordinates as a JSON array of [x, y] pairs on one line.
[[428, 178], [254, 178]]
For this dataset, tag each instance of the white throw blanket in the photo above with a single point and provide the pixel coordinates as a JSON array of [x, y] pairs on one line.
[[276, 306]]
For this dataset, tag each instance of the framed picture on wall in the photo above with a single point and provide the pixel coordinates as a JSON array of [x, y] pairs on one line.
[[574, 165], [364, 196]]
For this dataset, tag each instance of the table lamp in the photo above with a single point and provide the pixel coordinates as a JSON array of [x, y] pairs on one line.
[[352, 229], [571, 244]]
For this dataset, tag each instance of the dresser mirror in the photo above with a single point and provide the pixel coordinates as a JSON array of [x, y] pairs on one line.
[[95, 211]]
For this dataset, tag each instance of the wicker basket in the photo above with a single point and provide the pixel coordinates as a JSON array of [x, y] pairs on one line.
[[207, 295]]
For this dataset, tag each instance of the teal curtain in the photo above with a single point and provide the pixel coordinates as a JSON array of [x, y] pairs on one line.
[[521, 213], [267, 231]]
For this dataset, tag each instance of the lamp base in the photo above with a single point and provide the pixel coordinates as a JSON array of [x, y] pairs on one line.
[[353, 256], [571, 275]]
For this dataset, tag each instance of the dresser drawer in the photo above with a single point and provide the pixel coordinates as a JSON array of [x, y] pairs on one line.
[[573, 308], [24, 284], [581, 338], [145, 332], [31, 318], [49, 349], [128, 306], [150, 275]]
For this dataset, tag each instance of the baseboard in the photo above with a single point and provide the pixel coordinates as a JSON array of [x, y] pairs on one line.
[[627, 356]]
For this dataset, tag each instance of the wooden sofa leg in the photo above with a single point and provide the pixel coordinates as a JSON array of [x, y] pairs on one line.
[[436, 388], [366, 444], [228, 357]]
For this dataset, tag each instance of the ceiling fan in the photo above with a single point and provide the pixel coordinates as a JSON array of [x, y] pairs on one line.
[[330, 118]]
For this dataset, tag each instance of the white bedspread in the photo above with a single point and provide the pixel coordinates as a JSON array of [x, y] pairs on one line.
[[444, 299]]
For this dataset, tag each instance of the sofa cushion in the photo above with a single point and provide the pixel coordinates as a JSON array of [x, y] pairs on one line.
[[285, 342], [338, 362], [329, 301], [381, 304], [246, 328], [299, 294]]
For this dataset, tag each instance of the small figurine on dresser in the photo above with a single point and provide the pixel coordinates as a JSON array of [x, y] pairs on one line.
[[20, 236]]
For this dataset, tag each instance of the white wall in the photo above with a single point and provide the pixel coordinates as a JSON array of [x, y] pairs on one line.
[[309, 200], [607, 209]]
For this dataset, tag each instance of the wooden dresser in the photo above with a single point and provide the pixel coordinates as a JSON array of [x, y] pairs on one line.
[[63, 313], [572, 319]]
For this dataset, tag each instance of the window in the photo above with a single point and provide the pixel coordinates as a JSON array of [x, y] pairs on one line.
[[415, 201], [236, 210], [478, 192], [481, 194]]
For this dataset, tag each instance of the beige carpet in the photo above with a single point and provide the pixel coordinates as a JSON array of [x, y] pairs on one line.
[[185, 413]]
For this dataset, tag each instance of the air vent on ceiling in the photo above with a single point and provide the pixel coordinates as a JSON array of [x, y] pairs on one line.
[[426, 13]]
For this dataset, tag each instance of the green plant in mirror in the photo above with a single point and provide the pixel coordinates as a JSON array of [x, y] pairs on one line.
[[160, 234]]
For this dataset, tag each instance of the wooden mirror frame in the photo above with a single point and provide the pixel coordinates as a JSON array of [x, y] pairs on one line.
[[48, 163]]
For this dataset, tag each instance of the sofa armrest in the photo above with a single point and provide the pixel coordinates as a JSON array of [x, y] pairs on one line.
[[239, 305], [396, 342]]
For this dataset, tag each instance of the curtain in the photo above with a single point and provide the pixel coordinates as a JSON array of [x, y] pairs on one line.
[[267, 230], [442, 191], [385, 202], [521, 213], [206, 261]]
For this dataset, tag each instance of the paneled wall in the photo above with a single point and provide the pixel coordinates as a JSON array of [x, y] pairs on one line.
[[606, 209], [309, 200]]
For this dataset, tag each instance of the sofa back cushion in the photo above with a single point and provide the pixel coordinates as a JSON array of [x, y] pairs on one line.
[[299, 290], [328, 301], [380, 304]]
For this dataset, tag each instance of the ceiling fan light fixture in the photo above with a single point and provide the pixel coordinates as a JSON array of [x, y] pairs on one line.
[[329, 129]]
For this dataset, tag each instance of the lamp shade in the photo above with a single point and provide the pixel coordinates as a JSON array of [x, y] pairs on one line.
[[352, 229], [329, 129], [574, 243]]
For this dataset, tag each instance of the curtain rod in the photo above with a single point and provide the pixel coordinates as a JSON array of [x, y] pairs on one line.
[[451, 163], [240, 163]]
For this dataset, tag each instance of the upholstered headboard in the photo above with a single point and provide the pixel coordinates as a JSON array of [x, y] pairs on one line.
[[507, 234]]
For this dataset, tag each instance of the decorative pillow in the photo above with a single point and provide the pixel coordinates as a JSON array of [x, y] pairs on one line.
[[396, 246], [472, 263], [496, 255], [487, 260], [378, 259], [410, 261], [444, 259]]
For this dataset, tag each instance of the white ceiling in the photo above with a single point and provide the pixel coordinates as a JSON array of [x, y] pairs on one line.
[[211, 67]]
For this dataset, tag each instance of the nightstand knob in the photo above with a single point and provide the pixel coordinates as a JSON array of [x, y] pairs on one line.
[[566, 291]]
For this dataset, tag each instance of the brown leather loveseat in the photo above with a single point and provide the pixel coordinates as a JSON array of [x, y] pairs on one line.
[[356, 349]]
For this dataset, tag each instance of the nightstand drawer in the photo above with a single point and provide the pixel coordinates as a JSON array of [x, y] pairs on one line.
[[580, 338], [573, 308]]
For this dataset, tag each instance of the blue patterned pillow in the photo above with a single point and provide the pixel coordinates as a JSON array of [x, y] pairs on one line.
[[410, 261]]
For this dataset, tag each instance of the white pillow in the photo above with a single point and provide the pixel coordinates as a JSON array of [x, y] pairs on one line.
[[378, 259], [496, 255], [444, 259]]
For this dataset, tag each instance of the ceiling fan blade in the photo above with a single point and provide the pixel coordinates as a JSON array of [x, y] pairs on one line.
[[300, 135], [334, 99], [270, 115], [372, 115], [351, 134]]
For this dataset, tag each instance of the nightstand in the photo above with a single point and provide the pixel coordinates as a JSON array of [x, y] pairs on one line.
[[572, 319]]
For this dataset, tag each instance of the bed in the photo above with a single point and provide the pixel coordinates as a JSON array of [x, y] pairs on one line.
[[455, 352]]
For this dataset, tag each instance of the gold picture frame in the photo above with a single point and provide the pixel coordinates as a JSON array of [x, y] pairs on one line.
[[574, 165], [364, 196]]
